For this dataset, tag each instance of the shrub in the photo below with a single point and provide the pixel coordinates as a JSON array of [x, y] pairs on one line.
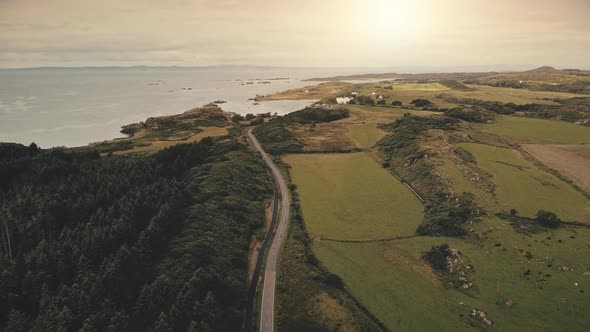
[[276, 138], [316, 114], [470, 114], [444, 216], [333, 280], [421, 102], [452, 84], [365, 100], [548, 219], [447, 218], [257, 121], [437, 257], [396, 103]]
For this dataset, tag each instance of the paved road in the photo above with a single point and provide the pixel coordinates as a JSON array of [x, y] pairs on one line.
[[270, 272]]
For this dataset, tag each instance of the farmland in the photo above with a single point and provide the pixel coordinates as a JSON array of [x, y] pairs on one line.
[[363, 224], [440, 95], [522, 186], [539, 130], [394, 283], [366, 134], [572, 161], [349, 197]]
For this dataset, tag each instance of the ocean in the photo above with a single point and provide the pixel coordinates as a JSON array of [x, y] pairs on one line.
[[74, 107]]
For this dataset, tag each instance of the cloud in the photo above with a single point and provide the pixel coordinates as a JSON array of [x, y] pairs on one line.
[[304, 32]]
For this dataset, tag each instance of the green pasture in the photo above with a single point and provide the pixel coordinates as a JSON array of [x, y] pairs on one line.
[[366, 134], [351, 197], [539, 130], [522, 186], [393, 282]]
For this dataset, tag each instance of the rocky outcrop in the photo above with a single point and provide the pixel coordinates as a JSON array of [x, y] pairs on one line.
[[207, 112]]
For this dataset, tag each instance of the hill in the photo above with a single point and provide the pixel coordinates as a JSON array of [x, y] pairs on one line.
[[544, 78]]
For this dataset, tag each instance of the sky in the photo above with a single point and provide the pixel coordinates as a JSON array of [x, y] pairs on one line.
[[309, 33]]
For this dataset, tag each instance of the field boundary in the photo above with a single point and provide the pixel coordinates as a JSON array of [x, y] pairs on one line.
[[369, 241], [355, 150], [536, 162], [299, 212], [399, 178]]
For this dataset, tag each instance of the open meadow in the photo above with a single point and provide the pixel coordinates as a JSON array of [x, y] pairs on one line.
[[520, 282], [350, 197], [538, 130], [571, 161], [522, 186], [366, 134], [511, 271]]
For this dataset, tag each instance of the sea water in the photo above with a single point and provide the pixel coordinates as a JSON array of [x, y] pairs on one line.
[[74, 107]]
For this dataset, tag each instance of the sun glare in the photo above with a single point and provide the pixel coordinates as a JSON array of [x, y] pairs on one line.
[[392, 20]]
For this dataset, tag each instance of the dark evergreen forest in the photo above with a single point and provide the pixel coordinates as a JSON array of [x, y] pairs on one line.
[[137, 243]]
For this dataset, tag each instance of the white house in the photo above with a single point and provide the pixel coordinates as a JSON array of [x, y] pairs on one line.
[[343, 100]]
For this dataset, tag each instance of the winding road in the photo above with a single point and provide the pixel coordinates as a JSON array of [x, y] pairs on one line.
[[270, 271]]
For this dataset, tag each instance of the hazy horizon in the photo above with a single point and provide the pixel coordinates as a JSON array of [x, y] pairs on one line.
[[351, 70], [378, 34]]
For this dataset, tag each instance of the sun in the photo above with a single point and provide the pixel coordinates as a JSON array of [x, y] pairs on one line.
[[392, 16], [392, 19]]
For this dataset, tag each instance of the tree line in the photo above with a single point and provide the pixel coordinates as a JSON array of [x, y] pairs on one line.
[[154, 242]]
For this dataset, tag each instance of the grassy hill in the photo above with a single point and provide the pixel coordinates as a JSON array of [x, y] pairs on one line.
[[481, 191]]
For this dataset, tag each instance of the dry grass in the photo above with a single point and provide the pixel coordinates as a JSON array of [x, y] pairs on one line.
[[333, 314], [329, 136], [334, 136], [521, 185], [568, 160], [366, 135], [310, 92], [159, 145]]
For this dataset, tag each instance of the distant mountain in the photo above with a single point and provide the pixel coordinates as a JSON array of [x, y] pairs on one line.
[[543, 69]]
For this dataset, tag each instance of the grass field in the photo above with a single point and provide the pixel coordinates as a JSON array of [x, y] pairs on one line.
[[522, 186], [394, 111], [436, 93], [461, 184], [368, 88], [533, 281], [510, 95], [395, 284], [366, 134], [318, 91], [522, 282], [571, 161], [350, 197], [539, 130]]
